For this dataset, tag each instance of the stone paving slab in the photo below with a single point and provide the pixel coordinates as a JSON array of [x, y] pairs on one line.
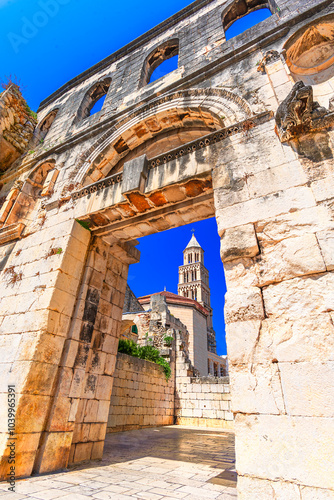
[[163, 463]]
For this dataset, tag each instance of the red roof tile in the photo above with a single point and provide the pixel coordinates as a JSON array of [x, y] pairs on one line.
[[173, 298]]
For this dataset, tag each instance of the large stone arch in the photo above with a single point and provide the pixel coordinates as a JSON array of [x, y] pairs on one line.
[[209, 109]]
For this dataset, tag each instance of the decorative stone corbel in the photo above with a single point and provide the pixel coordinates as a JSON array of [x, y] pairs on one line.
[[299, 114]]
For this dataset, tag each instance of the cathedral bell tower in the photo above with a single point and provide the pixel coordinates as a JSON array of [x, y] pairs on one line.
[[194, 283]]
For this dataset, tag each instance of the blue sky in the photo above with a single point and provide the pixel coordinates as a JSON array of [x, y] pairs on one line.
[[45, 43]]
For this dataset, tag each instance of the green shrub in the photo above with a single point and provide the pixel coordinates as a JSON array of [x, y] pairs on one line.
[[166, 366], [148, 352], [128, 347], [168, 340], [144, 352]]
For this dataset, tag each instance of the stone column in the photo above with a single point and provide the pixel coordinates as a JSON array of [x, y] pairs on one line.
[[276, 226]]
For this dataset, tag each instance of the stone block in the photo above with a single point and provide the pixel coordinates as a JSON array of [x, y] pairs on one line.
[[134, 175], [238, 242], [306, 339], [83, 451], [289, 258], [241, 339], [242, 304], [308, 388], [103, 411], [256, 389], [326, 242], [241, 273], [91, 410], [272, 180], [104, 387], [31, 413], [59, 415], [299, 444], [316, 493], [272, 205], [97, 450], [24, 462], [294, 224], [300, 297], [54, 453], [323, 189], [252, 488]]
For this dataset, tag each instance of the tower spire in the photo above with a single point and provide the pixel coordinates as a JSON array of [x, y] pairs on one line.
[[194, 282]]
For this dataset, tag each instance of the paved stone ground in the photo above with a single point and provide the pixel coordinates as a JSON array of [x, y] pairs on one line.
[[168, 463]]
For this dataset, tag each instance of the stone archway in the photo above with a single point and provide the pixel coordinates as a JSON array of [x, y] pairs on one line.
[[193, 112]]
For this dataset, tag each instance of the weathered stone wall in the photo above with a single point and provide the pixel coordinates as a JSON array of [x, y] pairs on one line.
[[200, 401], [141, 396], [17, 125], [204, 402], [131, 303], [278, 312]]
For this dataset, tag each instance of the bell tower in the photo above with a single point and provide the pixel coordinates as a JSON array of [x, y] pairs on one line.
[[194, 283]]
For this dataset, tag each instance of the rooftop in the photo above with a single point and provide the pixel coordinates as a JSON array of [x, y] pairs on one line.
[[193, 243], [173, 298]]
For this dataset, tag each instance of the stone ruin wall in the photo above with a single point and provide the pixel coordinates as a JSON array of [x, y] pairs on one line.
[[268, 181], [17, 125], [141, 396], [204, 402]]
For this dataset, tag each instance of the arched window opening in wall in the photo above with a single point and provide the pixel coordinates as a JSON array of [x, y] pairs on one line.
[[243, 14], [94, 99], [309, 53], [46, 124], [164, 68], [98, 105], [160, 62]]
